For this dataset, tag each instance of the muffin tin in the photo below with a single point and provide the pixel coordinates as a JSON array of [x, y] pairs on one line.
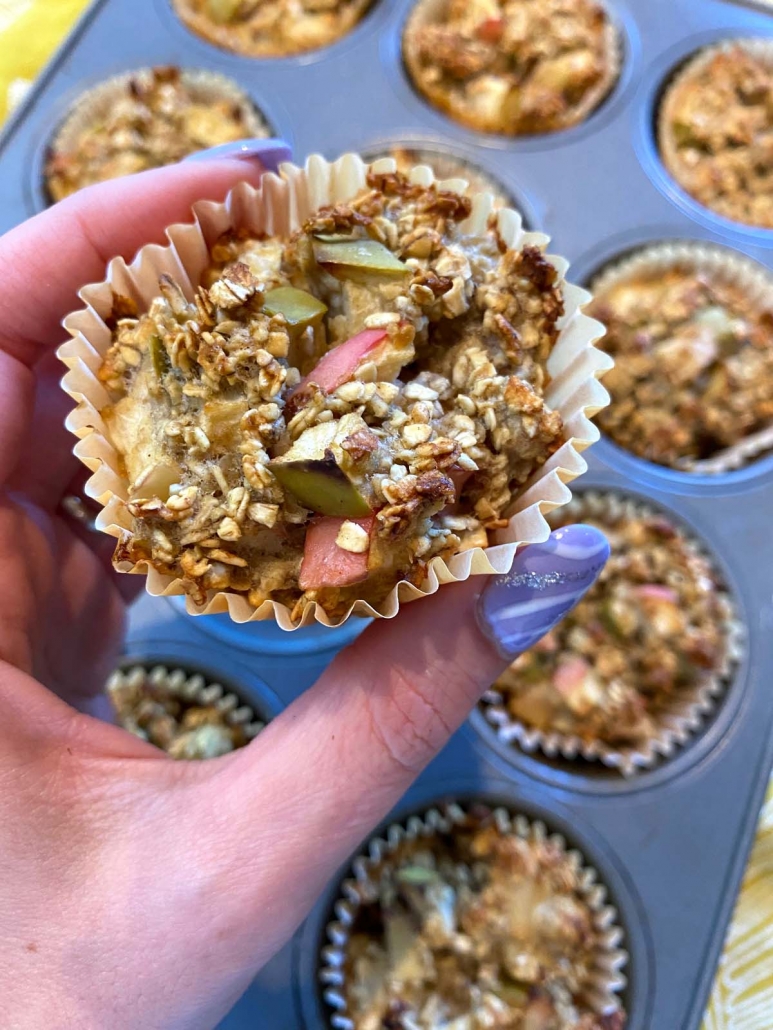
[[672, 842]]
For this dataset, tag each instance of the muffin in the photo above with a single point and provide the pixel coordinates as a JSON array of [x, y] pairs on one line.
[[147, 119], [447, 166], [515, 67], [477, 926], [271, 28], [691, 331], [635, 654], [333, 410], [715, 130], [181, 714]]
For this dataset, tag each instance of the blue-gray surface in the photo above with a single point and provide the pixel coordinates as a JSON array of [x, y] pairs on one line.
[[672, 842]]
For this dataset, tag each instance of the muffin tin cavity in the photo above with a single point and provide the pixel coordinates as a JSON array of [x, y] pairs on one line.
[[641, 666]]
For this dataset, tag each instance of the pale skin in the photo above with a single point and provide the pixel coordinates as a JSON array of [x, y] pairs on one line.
[[136, 891]]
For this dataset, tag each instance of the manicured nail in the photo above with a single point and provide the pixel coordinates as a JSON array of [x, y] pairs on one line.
[[270, 152], [545, 583]]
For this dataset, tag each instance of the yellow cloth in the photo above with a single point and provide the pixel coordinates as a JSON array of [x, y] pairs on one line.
[[30, 31]]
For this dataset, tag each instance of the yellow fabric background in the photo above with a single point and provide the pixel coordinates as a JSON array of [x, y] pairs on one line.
[[30, 31]]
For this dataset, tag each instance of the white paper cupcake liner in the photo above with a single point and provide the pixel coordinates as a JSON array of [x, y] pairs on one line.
[[429, 12], [689, 709], [612, 956], [191, 687], [758, 47], [278, 207], [204, 86], [722, 265]]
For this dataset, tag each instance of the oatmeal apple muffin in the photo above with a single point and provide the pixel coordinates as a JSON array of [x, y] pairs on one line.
[[151, 118], [271, 28], [181, 714], [476, 928], [512, 66], [693, 350], [332, 410], [716, 131], [649, 632], [446, 166]]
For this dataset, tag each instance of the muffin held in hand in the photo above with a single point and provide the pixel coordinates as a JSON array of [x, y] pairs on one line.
[[715, 130], [183, 715], [150, 118], [512, 66], [333, 410], [651, 631], [691, 332], [271, 28], [477, 927]]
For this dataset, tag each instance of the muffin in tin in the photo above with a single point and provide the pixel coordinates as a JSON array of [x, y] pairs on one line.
[[447, 166], [639, 651], [514, 67], [181, 713], [271, 28], [479, 924], [146, 119], [715, 130], [334, 409], [691, 331]]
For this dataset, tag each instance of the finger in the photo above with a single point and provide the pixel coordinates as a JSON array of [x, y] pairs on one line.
[[342, 755], [47, 259]]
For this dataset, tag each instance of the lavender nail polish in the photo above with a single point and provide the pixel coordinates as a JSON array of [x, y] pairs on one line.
[[270, 152], [545, 583]]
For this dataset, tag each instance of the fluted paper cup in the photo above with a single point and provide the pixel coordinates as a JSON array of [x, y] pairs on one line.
[[279, 206]]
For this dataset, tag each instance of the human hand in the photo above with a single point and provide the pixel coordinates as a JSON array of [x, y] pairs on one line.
[[140, 892]]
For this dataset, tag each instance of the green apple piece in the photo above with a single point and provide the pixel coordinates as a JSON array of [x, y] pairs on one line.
[[222, 11], [159, 357], [360, 260], [299, 308], [311, 470]]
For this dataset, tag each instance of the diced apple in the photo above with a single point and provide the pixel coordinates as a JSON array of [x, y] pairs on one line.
[[325, 564], [491, 30], [570, 675], [658, 592], [361, 260], [339, 364], [311, 470], [299, 308], [222, 11]]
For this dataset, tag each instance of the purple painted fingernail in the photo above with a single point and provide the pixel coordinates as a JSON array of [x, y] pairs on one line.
[[270, 152], [545, 583]]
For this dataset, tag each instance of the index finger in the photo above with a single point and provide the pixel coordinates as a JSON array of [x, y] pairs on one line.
[[47, 259]]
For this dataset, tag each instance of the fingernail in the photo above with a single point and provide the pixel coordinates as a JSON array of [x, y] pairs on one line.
[[545, 583], [270, 152]]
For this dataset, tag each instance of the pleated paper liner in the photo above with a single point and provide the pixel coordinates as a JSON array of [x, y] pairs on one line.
[[758, 47], [611, 957], [687, 711], [126, 683], [278, 207], [204, 86], [431, 12], [723, 265]]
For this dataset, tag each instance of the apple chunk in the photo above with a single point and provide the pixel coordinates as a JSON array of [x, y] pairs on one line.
[[339, 364], [311, 470], [325, 564], [360, 260], [300, 309]]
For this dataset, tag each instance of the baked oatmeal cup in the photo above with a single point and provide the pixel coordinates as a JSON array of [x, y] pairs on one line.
[[182, 714], [715, 130], [516, 67], [473, 919], [383, 390], [146, 119], [271, 28], [632, 671], [690, 327]]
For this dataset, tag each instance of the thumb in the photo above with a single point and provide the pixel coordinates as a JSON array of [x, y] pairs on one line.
[[339, 758]]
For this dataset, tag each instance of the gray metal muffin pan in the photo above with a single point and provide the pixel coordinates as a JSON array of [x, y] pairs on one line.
[[672, 842]]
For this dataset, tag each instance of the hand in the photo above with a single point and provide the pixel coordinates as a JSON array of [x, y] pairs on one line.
[[140, 892]]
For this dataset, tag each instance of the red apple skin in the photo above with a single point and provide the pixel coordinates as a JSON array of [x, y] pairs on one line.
[[325, 564], [491, 30], [339, 364]]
